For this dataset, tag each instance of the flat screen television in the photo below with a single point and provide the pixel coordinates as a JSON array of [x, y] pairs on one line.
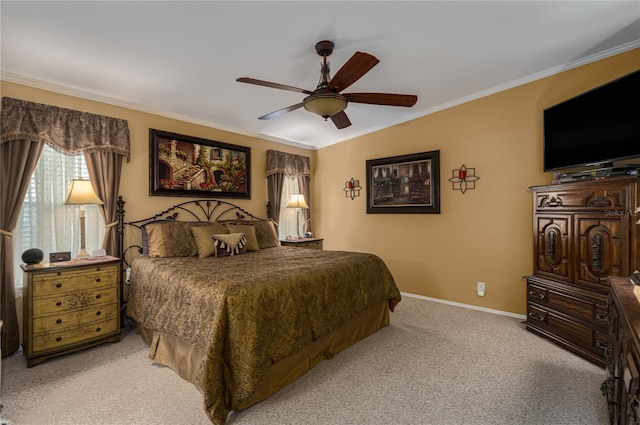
[[597, 127]]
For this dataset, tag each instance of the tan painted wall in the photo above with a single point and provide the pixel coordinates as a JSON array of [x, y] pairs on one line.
[[483, 235], [134, 186]]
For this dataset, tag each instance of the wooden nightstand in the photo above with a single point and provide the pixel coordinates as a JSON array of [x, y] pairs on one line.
[[311, 243], [69, 306]]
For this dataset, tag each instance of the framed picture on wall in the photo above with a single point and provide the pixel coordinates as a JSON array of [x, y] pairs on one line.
[[182, 165], [405, 184]]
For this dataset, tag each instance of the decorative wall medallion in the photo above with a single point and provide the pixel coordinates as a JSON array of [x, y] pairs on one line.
[[352, 188], [463, 178]]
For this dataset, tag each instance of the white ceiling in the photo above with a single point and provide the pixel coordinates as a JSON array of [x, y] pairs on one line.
[[181, 59]]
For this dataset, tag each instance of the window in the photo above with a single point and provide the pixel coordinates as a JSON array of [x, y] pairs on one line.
[[287, 219], [44, 221]]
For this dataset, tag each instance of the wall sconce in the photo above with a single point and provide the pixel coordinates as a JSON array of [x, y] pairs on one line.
[[463, 178], [352, 188]]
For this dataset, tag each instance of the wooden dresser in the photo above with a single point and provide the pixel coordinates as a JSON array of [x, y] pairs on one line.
[[584, 232], [622, 386], [70, 306]]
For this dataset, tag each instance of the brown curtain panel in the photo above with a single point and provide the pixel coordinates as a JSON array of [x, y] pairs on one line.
[[281, 165], [24, 127], [104, 171], [18, 159]]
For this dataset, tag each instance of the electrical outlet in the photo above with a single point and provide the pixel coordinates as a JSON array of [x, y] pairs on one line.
[[480, 289]]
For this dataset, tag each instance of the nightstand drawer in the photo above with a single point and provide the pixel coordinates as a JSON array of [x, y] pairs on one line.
[[56, 322], [74, 301], [53, 340], [46, 284]]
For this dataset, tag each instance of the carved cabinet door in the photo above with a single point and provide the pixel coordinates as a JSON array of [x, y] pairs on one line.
[[553, 246], [603, 248]]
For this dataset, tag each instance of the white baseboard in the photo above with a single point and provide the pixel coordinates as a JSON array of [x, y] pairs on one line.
[[469, 306]]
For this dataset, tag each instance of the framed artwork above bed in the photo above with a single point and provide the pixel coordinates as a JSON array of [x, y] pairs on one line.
[[182, 165], [404, 184]]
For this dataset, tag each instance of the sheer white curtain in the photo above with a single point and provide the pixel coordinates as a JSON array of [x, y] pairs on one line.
[[287, 219], [45, 222]]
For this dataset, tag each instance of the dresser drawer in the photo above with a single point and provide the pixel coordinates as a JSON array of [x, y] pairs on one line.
[[74, 301], [56, 322], [573, 332], [53, 340], [575, 302], [46, 284], [584, 199]]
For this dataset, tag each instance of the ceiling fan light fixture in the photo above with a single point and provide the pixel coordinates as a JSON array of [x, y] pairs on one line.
[[325, 104]]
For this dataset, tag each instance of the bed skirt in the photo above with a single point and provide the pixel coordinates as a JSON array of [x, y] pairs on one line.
[[186, 360]]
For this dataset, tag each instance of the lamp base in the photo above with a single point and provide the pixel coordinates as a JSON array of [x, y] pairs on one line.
[[83, 254]]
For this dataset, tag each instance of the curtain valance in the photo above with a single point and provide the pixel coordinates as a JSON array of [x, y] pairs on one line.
[[288, 164], [63, 129]]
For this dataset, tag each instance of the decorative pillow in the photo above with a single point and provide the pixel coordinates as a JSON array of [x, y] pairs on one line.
[[266, 233], [265, 230], [144, 235], [202, 237], [249, 233], [172, 239], [229, 244]]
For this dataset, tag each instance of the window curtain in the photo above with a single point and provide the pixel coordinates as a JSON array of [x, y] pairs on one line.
[[104, 170], [24, 127], [281, 165]]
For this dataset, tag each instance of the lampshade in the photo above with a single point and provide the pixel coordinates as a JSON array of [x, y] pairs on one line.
[[81, 193], [325, 104], [297, 201]]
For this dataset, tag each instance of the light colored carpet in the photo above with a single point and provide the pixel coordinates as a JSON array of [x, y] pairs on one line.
[[435, 364]]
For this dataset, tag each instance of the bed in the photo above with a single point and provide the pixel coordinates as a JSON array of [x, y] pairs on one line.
[[235, 313]]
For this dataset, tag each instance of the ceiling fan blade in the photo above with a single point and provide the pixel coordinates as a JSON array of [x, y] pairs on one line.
[[358, 65], [341, 120], [389, 99], [276, 114], [272, 85]]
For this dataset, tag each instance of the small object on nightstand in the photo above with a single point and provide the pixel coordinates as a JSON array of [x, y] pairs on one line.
[[32, 256], [56, 257], [311, 243]]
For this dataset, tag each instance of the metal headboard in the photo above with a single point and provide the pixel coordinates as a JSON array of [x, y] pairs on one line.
[[208, 210]]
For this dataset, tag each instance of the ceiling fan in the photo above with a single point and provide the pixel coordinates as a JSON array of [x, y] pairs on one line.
[[326, 100]]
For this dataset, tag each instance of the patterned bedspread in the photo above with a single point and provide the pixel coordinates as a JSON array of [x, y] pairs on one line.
[[249, 311]]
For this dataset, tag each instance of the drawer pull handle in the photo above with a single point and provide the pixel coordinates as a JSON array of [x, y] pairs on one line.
[[602, 344], [59, 274], [58, 304], [537, 295], [98, 329], [98, 297], [604, 317], [537, 316], [98, 313], [58, 339], [59, 321], [98, 279], [58, 285]]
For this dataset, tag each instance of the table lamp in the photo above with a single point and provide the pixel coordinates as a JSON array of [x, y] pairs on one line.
[[81, 193], [297, 201]]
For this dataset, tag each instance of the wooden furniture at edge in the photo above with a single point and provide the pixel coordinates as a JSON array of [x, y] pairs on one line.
[[70, 306], [312, 243], [622, 386], [584, 232]]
